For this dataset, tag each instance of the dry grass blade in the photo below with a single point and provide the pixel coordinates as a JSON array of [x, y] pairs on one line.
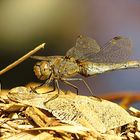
[[21, 136], [66, 128], [21, 59], [11, 107], [34, 115]]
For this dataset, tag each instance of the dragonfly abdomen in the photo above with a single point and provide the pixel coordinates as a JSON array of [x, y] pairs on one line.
[[90, 69]]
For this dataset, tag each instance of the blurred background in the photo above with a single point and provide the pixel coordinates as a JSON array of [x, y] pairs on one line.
[[25, 24]]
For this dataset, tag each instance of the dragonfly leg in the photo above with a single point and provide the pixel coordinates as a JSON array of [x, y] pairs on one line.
[[70, 84], [80, 79], [45, 83], [35, 88], [54, 87], [56, 95]]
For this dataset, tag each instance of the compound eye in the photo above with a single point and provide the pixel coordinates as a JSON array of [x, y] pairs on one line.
[[42, 70], [37, 70], [45, 70]]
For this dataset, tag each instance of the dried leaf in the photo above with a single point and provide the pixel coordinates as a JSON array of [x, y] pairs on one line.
[[103, 115]]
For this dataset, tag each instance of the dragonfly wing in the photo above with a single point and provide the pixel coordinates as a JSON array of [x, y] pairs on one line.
[[44, 58], [117, 50], [39, 57], [84, 46]]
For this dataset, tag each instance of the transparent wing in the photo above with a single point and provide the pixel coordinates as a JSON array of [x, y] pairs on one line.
[[116, 50], [44, 58], [39, 57], [84, 46]]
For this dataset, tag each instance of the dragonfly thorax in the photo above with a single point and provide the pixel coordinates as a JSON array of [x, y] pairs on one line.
[[42, 70]]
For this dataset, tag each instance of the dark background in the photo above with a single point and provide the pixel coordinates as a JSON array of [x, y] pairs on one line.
[[25, 24]]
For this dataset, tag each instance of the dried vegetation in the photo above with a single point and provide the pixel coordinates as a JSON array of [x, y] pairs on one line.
[[27, 115]]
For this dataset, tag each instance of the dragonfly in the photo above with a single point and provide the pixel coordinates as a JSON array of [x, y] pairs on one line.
[[86, 58]]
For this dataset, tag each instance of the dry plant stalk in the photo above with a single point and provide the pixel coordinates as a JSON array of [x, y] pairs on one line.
[[23, 58], [126, 98]]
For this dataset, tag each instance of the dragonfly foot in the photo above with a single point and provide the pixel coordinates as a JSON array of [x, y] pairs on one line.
[[33, 89], [98, 98], [52, 98]]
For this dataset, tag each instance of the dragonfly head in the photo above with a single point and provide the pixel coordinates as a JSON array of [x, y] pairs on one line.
[[42, 70]]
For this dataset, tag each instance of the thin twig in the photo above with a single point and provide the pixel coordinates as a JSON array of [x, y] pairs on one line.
[[121, 95], [126, 98], [23, 58]]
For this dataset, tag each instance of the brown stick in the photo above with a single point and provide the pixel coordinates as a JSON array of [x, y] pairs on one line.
[[126, 98], [121, 95], [23, 58]]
